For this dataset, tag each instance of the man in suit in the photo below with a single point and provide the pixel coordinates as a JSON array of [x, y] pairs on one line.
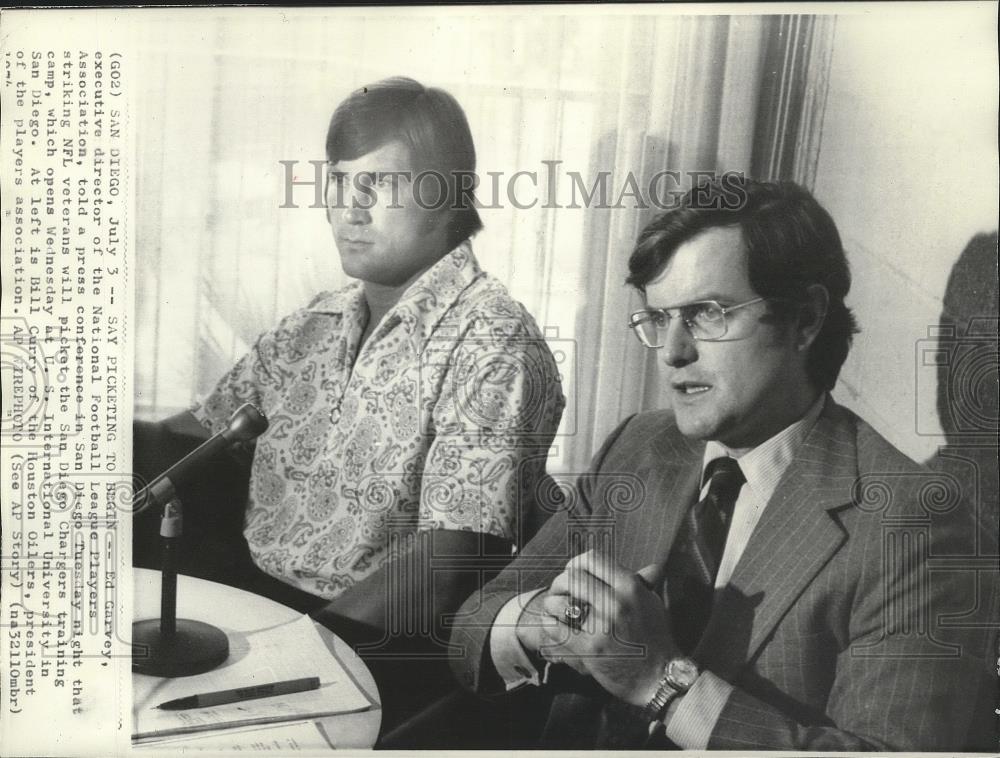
[[755, 568]]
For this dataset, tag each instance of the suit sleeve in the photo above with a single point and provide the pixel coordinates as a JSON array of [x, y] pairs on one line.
[[537, 565], [916, 673]]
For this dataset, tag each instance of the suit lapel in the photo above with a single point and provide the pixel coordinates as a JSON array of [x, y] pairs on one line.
[[794, 539], [674, 483]]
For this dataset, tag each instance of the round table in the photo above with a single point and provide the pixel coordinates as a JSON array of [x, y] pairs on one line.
[[244, 612]]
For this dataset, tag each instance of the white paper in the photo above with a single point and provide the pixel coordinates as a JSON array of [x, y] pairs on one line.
[[300, 737], [903, 155], [291, 651]]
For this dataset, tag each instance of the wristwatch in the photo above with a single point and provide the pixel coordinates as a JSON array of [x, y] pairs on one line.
[[678, 676]]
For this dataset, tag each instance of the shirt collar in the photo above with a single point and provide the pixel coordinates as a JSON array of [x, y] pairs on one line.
[[424, 302], [764, 465], [431, 296], [347, 300]]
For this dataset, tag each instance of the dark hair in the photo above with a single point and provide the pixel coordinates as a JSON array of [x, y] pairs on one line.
[[432, 126], [791, 242]]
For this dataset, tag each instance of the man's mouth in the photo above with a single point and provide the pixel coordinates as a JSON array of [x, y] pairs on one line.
[[691, 388], [353, 244]]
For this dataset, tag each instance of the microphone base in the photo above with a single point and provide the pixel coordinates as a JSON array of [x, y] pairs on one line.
[[194, 648]]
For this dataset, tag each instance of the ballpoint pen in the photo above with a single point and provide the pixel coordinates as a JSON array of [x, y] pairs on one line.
[[222, 697]]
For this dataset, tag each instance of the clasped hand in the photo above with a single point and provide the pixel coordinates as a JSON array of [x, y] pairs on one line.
[[625, 640]]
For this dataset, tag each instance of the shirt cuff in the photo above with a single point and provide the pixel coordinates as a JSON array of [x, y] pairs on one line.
[[690, 724], [509, 657]]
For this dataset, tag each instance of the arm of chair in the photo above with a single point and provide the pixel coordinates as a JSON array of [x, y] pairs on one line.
[[419, 730], [460, 720]]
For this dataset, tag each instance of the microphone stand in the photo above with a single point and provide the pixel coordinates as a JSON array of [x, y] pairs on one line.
[[169, 646]]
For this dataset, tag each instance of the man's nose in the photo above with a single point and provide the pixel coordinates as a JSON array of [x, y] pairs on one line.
[[354, 214], [357, 204], [679, 347]]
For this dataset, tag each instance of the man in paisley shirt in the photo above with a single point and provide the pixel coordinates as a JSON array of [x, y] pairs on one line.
[[410, 412]]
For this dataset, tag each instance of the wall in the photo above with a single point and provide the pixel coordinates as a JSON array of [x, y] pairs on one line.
[[908, 169]]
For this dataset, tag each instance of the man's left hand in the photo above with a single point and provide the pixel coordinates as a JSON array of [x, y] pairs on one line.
[[625, 640]]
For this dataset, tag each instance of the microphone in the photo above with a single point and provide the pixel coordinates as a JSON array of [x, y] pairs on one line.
[[170, 646], [246, 424]]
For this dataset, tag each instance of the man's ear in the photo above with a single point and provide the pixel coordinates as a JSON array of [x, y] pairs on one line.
[[812, 314]]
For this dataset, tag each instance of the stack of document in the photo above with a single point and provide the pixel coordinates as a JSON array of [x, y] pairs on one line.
[[282, 739], [287, 651]]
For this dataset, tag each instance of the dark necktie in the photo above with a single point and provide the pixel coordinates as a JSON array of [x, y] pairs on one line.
[[693, 562]]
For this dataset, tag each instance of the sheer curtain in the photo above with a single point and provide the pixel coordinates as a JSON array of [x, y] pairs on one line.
[[563, 95]]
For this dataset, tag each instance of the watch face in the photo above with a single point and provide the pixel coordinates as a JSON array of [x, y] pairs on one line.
[[682, 672]]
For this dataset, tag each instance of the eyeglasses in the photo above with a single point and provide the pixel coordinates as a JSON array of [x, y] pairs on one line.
[[704, 319]]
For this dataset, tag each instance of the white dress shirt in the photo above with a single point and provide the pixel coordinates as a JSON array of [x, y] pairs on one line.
[[690, 719]]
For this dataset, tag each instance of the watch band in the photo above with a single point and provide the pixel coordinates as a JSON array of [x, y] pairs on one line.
[[678, 676], [661, 700]]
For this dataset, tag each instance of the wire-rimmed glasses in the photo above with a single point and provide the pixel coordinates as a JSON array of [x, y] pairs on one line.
[[705, 321]]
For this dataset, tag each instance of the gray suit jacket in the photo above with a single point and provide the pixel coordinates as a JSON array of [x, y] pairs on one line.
[[861, 616]]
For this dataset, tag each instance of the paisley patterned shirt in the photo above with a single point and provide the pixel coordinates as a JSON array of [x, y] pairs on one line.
[[442, 420]]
